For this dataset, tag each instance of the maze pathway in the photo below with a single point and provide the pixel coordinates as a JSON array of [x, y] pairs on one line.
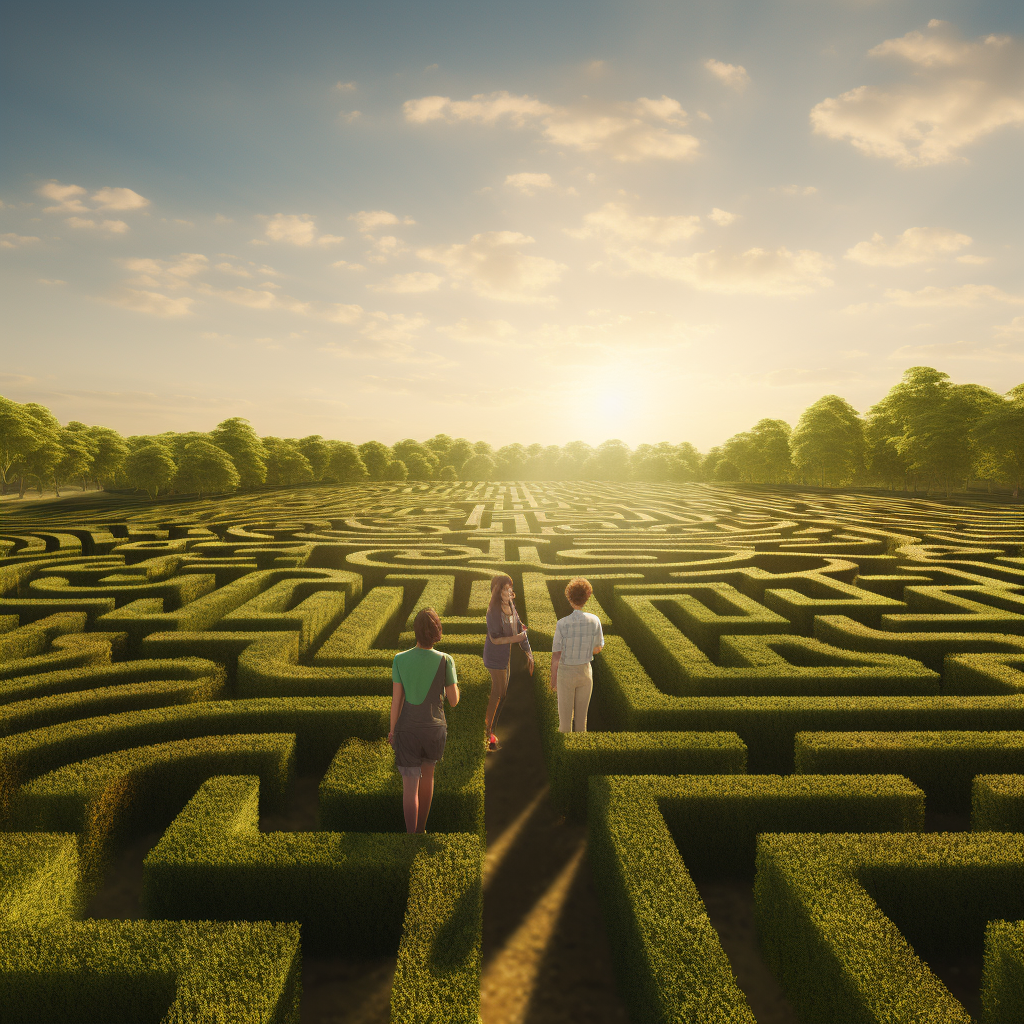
[[817, 699]]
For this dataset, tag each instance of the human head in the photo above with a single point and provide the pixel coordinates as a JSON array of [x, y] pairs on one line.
[[578, 591], [498, 584], [427, 627]]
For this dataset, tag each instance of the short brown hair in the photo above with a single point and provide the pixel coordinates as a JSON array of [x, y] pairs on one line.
[[427, 627], [578, 591]]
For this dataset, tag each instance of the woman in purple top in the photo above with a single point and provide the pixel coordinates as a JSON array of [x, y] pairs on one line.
[[503, 629]]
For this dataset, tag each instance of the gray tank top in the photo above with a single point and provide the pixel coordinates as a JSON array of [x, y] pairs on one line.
[[431, 711]]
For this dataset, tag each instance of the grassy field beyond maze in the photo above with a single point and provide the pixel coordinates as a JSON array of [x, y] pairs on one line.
[[809, 711]]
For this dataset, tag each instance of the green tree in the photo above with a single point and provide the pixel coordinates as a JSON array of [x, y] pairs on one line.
[[478, 467], [286, 465], [610, 461], [345, 465], [109, 454], [936, 420], [883, 459], [204, 467], [771, 441], [236, 437], [76, 458], [572, 460], [18, 437], [419, 460], [440, 445], [542, 461], [447, 473], [741, 451], [510, 462], [42, 460], [999, 435], [376, 457], [396, 470], [828, 443], [460, 450], [150, 467], [318, 454]]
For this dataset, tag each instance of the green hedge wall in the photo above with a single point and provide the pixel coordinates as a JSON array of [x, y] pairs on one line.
[[668, 959], [108, 799], [128, 972], [843, 919], [321, 725], [1002, 985], [943, 764], [997, 803], [358, 893], [760, 665], [768, 725]]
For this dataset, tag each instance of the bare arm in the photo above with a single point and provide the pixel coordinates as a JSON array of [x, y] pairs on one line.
[[397, 701], [598, 650], [555, 659], [451, 691]]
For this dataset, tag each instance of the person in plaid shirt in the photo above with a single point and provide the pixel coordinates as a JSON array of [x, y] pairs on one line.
[[578, 637]]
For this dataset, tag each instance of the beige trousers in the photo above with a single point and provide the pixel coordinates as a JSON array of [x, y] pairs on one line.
[[575, 685]]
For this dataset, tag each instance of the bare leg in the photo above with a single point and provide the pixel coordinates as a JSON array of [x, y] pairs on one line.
[[426, 794], [410, 798], [499, 683]]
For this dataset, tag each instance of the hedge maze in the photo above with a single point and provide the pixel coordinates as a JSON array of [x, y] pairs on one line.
[[818, 695]]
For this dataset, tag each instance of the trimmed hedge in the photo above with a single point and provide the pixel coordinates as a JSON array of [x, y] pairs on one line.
[[53, 968], [768, 725], [716, 819], [541, 610], [320, 724], [774, 664], [572, 758], [843, 918], [1002, 982], [646, 834], [969, 608], [357, 893], [121, 673], [362, 790], [668, 958], [984, 673], [943, 764], [997, 803], [352, 642], [928, 648], [109, 798]]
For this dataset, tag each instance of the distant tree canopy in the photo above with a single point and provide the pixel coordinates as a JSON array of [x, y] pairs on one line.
[[926, 433]]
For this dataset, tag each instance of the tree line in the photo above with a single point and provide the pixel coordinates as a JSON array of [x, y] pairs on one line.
[[926, 433]]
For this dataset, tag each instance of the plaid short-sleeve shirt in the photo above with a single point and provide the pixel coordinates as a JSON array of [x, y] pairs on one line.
[[576, 636]]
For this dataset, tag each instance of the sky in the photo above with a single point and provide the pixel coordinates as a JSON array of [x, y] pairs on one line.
[[534, 222]]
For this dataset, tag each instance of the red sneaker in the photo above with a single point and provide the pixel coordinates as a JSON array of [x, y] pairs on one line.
[[493, 744]]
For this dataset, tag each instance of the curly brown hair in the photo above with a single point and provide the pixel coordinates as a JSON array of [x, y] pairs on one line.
[[578, 591], [427, 627]]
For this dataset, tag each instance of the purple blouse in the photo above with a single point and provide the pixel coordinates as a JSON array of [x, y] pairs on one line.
[[500, 655]]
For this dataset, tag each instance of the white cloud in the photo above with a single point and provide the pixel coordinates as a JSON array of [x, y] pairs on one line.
[[479, 332], [645, 129], [733, 75], [1014, 329], [384, 248], [368, 221], [113, 227], [529, 183], [615, 223], [153, 303], [959, 92], [230, 268], [963, 295], [974, 259], [796, 190], [221, 219], [51, 280], [754, 272], [494, 266], [722, 217], [408, 284], [915, 245], [340, 313], [171, 275], [10, 240], [393, 327], [65, 196], [256, 298], [119, 199], [345, 265], [980, 351], [297, 229], [345, 86], [349, 116]]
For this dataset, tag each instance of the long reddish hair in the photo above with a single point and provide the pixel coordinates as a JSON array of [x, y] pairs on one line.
[[497, 585]]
